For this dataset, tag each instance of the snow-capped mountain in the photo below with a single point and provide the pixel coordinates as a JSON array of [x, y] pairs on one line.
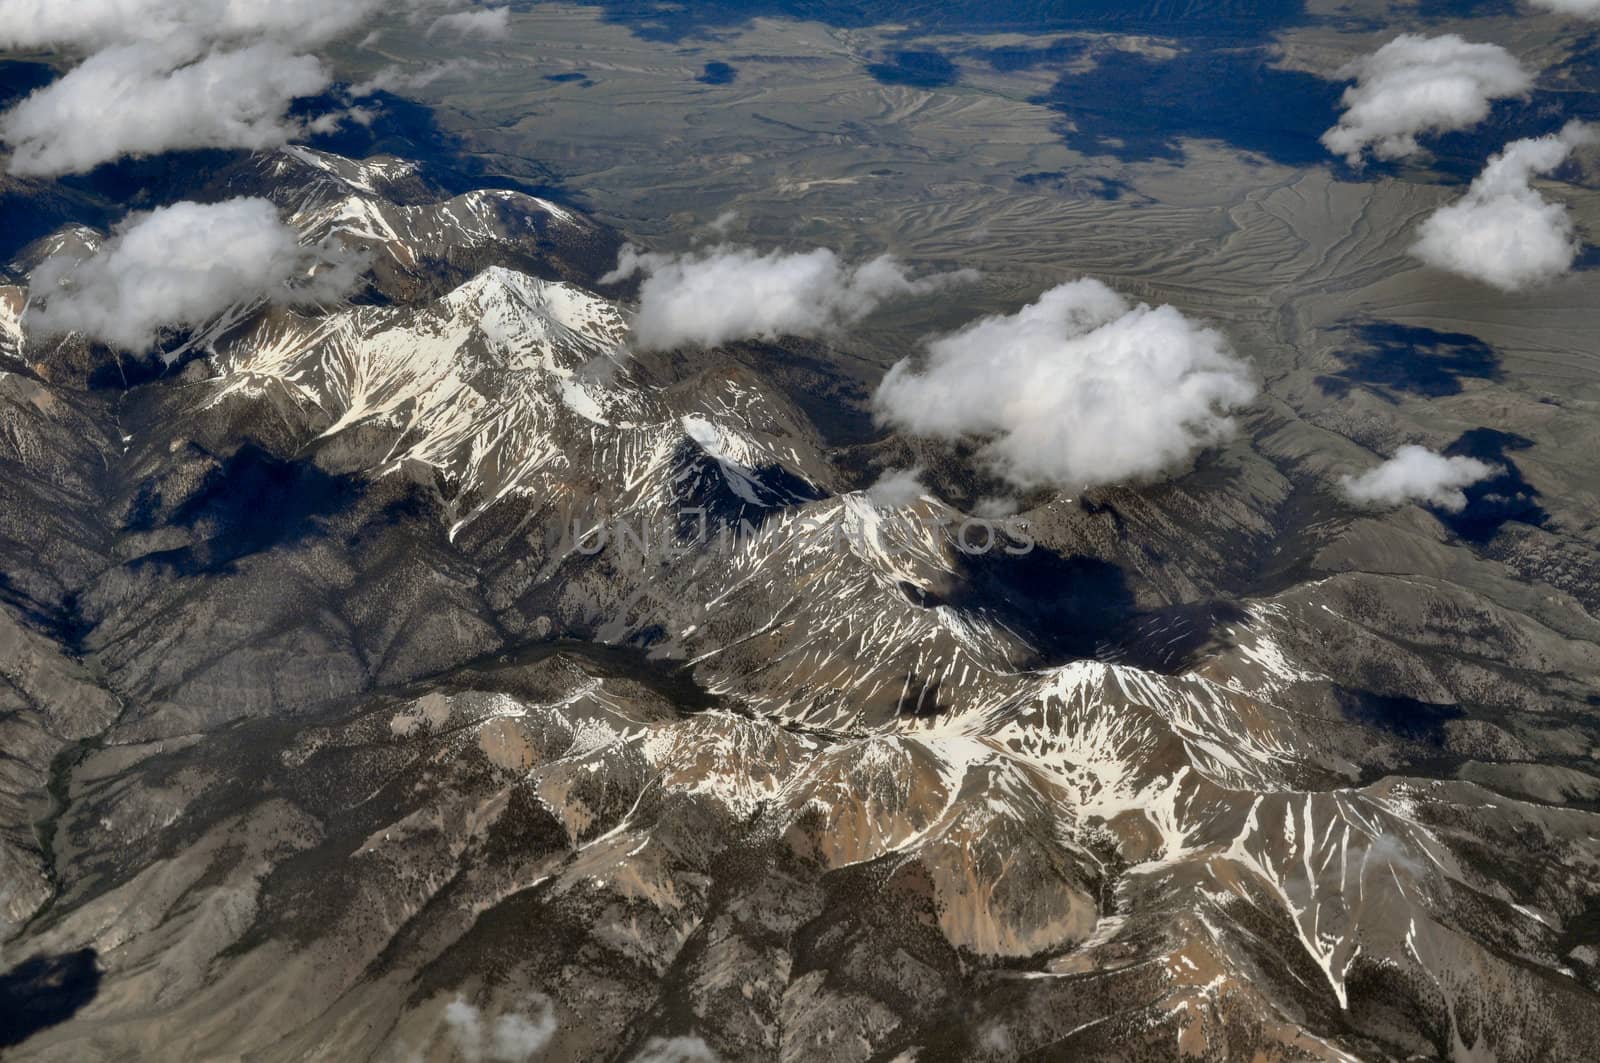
[[323, 710]]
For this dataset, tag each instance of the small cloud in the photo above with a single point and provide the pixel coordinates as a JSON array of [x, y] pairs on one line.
[[517, 1038], [489, 23], [1417, 474], [996, 1040], [333, 121], [1077, 389], [512, 1038], [726, 293], [394, 79], [995, 507], [689, 1049], [1578, 8], [1415, 85], [180, 267], [896, 488], [1502, 232]]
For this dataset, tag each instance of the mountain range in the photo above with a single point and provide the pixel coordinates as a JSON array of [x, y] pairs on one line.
[[345, 717]]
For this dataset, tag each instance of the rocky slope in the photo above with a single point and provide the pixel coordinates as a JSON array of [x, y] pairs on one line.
[[343, 722]]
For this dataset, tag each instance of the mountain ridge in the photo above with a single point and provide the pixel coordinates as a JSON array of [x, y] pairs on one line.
[[326, 763]]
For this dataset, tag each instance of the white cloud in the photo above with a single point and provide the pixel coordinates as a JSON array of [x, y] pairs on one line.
[[516, 1038], [1079, 388], [164, 76], [89, 25], [689, 1049], [1415, 85], [486, 22], [996, 507], [131, 100], [512, 1038], [1580, 8], [1417, 474], [181, 267], [1503, 232], [896, 488], [465, 1024], [731, 293], [396, 79]]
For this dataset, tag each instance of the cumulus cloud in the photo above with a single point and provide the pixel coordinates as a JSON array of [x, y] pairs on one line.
[[485, 22], [1415, 85], [1077, 389], [512, 1038], [1503, 232], [93, 24], [1417, 474], [730, 293], [130, 101], [180, 267], [162, 76], [896, 488]]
